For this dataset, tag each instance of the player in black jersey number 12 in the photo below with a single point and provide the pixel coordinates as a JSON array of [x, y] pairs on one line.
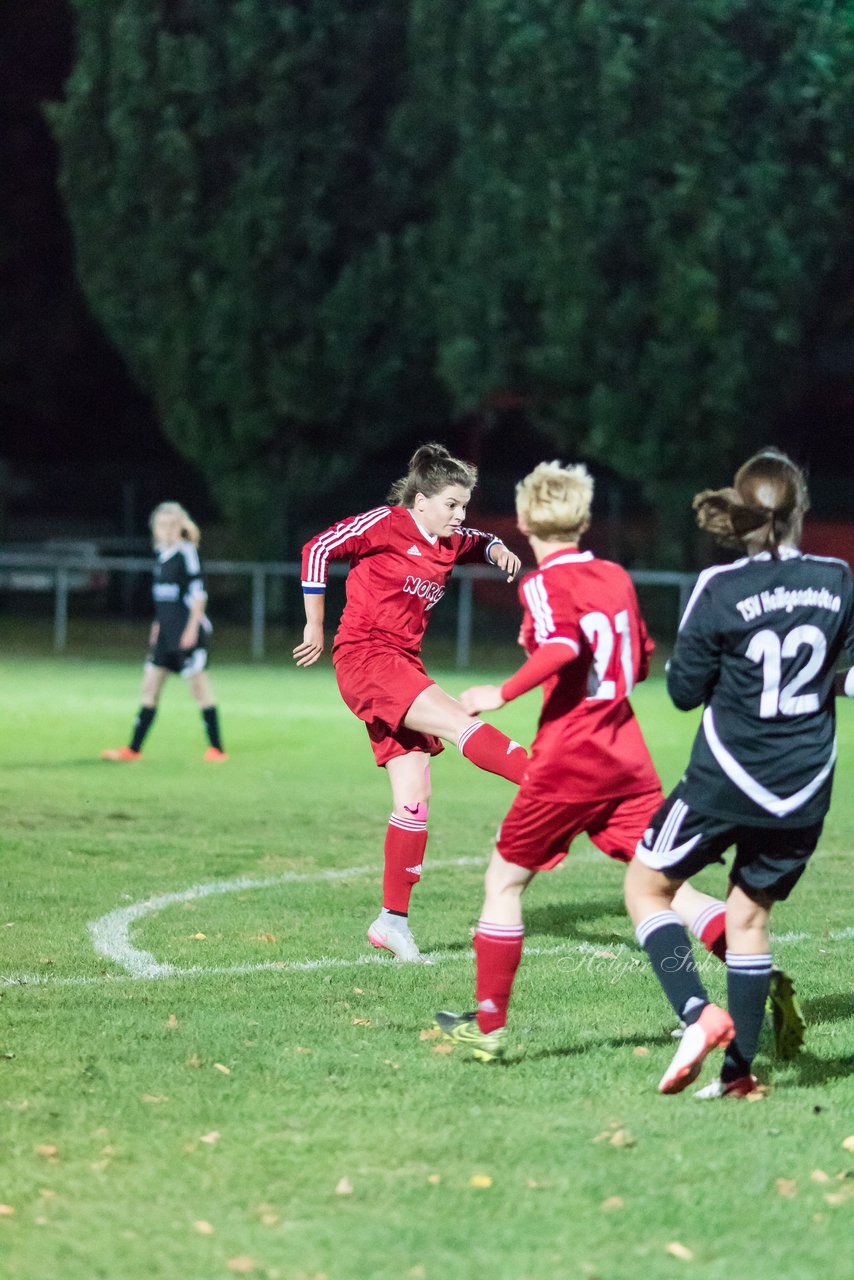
[[757, 647], [178, 639]]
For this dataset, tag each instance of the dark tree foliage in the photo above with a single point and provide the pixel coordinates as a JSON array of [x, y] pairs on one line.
[[312, 226]]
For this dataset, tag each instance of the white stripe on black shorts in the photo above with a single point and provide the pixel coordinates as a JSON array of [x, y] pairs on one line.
[[769, 860]]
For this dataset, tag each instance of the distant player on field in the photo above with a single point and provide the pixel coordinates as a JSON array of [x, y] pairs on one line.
[[590, 770], [757, 648], [178, 638], [401, 557]]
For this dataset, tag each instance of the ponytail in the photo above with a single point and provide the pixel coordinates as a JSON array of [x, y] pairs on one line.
[[764, 506], [431, 469]]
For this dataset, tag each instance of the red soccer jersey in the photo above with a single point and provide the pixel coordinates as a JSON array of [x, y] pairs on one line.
[[397, 573], [588, 745]]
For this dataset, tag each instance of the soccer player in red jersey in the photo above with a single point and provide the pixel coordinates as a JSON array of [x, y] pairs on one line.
[[401, 557], [590, 770]]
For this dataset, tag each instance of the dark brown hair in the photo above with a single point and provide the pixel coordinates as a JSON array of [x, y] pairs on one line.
[[764, 507], [431, 469]]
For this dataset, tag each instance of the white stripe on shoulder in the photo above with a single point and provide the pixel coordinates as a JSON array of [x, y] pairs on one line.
[[191, 558], [333, 538], [703, 580], [826, 559]]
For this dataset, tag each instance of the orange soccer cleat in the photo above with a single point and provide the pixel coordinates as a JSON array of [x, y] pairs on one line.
[[213, 755], [713, 1028], [121, 753]]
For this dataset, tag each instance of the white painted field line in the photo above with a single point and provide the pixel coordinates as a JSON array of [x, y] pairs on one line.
[[110, 935]]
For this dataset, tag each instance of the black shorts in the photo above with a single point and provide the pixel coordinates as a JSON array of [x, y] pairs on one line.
[[184, 662], [769, 861]]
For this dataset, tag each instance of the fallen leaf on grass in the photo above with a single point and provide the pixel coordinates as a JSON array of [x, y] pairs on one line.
[[47, 1151], [299, 1049], [641, 1051], [194, 1061], [532, 1185], [203, 1228], [677, 1250], [416, 1272], [787, 1188], [242, 1265], [199, 937], [269, 1219], [7, 1056], [211, 1138], [220, 1066], [47, 1192], [267, 937], [395, 1066], [848, 1143], [621, 1138], [818, 1175], [154, 1097], [480, 1180], [358, 991], [432, 1033], [344, 1187], [613, 1202], [6, 1211], [443, 1048], [361, 1022], [759, 1093], [434, 1179], [171, 1022]]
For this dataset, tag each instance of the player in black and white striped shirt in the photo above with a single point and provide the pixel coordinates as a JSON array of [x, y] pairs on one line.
[[757, 647], [178, 639]]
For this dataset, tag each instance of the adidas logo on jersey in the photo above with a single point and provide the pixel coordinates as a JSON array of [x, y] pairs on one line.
[[415, 871], [413, 551]]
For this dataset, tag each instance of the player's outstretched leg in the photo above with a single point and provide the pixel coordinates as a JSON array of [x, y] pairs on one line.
[[405, 843], [436, 712], [649, 896]]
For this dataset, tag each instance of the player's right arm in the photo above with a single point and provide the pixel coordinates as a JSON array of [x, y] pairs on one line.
[[346, 540], [693, 671]]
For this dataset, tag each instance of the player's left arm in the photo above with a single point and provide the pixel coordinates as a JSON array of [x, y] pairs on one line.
[[476, 546], [197, 597]]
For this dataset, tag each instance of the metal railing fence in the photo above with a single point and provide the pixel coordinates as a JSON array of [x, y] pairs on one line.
[[260, 573]]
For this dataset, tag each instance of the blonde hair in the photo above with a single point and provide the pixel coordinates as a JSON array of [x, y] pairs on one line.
[[189, 529], [764, 506], [553, 502], [431, 469]]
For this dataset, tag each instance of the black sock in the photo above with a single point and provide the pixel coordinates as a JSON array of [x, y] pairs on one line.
[[141, 726], [665, 941], [748, 980], [211, 719]]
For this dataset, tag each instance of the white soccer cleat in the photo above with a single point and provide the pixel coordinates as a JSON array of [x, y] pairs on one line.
[[399, 941], [713, 1028]]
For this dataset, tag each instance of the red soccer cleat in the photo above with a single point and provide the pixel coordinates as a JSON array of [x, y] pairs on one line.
[[714, 1027], [739, 1088], [121, 753], [213, 755]]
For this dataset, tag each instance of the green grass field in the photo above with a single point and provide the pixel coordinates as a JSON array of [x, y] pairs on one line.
[[255, 1117]]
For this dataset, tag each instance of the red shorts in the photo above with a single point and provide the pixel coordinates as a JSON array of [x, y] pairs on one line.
[[537, 833], [379, 686]]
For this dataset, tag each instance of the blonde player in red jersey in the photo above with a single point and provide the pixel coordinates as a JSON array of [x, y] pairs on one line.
[[401, 557], [590, 770]]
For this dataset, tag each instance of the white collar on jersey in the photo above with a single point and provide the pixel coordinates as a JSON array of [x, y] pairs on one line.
[[431, 537], [565, 557], [783, 553]]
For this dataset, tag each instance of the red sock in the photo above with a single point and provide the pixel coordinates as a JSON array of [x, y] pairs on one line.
[[492, 750], [405, 842], [498, 949], [710, 928]]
